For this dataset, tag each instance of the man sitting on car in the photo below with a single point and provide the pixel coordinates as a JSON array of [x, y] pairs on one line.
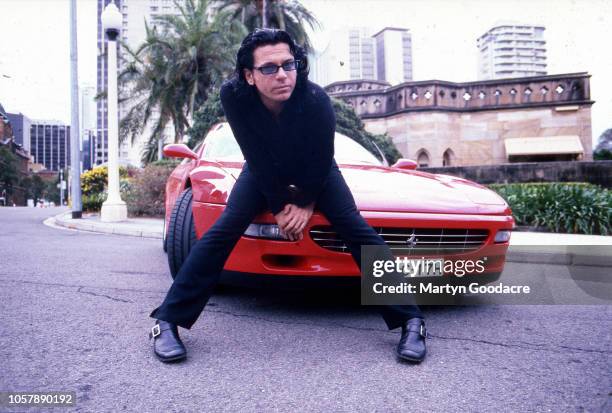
[[285, 127]]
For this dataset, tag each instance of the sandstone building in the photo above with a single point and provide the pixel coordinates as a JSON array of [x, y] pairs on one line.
[[439, 123]]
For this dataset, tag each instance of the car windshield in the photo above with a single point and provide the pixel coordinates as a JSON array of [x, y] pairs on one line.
[[220, 145]]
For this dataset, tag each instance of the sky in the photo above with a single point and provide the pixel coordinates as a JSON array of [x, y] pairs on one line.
[[35, 46]]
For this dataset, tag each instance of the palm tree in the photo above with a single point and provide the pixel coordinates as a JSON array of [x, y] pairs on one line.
[[288, 15], [173, 71]]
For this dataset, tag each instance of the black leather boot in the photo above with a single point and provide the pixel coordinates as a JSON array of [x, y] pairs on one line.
[[412, 343], [166, 342]]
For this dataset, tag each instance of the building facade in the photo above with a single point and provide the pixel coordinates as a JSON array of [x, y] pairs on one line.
[[87, 127], [438, 123], [87, 107], [21, 126], [88, 148], [512, 50], [50, 144], [362, 55], [394, 55], [13, 193], [349, 53]]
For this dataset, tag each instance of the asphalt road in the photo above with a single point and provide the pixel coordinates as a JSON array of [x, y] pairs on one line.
[[74, 317]]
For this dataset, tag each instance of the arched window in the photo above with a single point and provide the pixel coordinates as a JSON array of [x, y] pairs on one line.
[[448, 158], [423, 158]]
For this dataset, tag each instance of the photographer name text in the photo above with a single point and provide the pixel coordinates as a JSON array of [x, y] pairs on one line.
[[430, 288]]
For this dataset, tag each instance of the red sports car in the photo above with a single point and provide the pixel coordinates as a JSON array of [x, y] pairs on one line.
[[415, 212]]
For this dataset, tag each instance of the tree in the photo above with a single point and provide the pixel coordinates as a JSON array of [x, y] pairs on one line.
[[347, 123], [205, 117], [603, 150], [51, 191], [37, 188], [173, 71], [26, 184], [34, 187], [288, 15], [9, 174]]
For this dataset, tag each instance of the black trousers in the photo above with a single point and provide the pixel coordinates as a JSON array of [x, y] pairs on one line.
[[200, 273]]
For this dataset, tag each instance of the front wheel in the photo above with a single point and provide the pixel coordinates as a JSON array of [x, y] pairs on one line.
[[181, 235]]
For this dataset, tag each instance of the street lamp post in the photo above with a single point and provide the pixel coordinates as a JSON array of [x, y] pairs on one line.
[[113, 209]]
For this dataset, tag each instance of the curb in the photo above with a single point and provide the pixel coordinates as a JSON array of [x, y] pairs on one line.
[[64, 220]]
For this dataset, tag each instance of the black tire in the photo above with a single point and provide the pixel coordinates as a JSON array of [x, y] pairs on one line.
[[181, 235], [164, 239]]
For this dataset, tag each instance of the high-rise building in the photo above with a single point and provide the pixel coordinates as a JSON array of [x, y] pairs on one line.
[[88, 145], [133, 34], [362, 54], [87, 108], [512, 50], [353, 53], [50, 144], [101, 150], [87, 127], [329, 62], [349, 53], [394, 55], [21, 129]]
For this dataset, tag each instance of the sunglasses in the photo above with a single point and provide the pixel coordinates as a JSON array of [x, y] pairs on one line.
[[271, 69]]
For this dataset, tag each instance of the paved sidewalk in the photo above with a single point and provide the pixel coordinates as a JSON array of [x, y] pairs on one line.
[[136, 227]]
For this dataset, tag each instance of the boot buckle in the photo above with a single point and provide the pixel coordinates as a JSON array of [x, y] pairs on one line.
[[155, 331]]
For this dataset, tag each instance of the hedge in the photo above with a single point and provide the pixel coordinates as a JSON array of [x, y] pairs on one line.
[[573, 207], [148, 189]]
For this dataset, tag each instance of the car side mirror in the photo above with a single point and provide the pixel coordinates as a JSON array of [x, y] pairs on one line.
[[179, 150], [403, 163]]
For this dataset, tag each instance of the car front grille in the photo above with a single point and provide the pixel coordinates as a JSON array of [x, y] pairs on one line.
[[411, 241]]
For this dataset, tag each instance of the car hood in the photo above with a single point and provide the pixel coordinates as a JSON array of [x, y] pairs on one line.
[[394, 190]]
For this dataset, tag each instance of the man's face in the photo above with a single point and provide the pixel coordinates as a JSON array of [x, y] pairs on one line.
[[277, 87]]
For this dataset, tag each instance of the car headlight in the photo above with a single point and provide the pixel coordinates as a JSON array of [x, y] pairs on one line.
[[502, 236], [268, 231]]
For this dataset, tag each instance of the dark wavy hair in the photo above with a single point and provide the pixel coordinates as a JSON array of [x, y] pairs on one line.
[[263, 37]]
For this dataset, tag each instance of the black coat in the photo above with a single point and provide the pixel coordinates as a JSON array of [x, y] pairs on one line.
[[292, 156]]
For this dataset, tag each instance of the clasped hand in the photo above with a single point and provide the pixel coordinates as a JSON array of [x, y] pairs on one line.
[[292, 220]]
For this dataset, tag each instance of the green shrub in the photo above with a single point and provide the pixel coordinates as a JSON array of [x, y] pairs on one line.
[[579, 208], [93, 186], [143, 190], [94, 181], [602, 155], [93, 202], [147, 191]]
